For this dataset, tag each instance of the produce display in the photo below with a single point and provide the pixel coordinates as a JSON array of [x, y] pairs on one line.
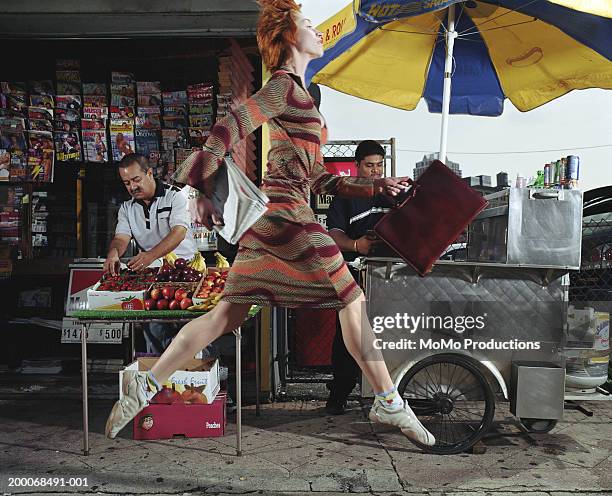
[[179, 272], [209, 291], [128, 280], [169, 297], [191, 394]]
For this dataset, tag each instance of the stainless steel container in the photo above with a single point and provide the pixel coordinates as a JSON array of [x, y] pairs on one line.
[[529, 227]]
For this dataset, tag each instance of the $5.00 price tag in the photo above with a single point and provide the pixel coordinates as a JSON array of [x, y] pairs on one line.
[[107, 333]]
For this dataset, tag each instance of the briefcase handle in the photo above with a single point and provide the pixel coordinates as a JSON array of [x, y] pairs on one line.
[[407, 195]]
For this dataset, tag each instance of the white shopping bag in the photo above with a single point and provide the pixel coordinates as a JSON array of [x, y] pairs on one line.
[[238, 200]]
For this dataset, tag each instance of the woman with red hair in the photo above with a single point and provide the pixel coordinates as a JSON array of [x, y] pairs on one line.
[[286, 259]]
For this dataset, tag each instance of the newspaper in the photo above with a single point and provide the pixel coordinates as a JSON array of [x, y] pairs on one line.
[[238, 200]]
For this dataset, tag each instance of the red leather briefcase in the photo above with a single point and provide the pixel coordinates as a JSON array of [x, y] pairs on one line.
[[438, 207]]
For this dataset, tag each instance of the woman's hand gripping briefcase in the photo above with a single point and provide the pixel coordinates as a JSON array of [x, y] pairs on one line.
[[431, 216]]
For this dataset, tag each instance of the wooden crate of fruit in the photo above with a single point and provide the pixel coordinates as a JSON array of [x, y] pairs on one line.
[[170, 296]]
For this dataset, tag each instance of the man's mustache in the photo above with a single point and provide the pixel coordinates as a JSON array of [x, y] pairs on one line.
[[134, 191]]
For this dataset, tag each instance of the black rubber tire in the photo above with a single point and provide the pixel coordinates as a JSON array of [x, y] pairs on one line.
[[537, 426], [431, 405]]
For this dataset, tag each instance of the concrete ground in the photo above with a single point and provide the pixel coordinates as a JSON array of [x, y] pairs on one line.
[[295, 448]]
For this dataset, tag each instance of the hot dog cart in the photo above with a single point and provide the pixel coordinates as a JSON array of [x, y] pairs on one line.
[[492, 326]]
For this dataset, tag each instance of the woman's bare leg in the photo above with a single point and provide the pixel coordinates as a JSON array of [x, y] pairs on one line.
[[197, 334], [359, 338]]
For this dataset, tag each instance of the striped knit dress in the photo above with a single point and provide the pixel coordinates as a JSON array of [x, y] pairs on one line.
[[286, 259]]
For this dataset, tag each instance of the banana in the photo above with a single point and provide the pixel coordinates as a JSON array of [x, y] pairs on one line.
[[170, 258], [221, 261], [198, 262]]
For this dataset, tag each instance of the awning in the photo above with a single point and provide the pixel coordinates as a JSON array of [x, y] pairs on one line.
[[61, 19]]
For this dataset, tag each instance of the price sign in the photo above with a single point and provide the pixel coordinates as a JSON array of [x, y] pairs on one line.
[[107, 333]]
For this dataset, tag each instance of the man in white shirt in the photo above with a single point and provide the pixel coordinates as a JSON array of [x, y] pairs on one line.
[[156, 218]]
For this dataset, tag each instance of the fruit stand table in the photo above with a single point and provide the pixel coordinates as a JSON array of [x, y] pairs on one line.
[[86, 318]]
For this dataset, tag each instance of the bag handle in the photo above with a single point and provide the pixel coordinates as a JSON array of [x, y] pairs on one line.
[[408, 195]]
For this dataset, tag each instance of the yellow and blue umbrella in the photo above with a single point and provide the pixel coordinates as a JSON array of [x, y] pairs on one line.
[[396, 52]]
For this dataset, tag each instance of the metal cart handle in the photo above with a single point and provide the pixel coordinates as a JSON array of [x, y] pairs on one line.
[[546, 195]]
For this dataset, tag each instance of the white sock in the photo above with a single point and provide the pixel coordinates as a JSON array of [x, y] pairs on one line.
[[390, 399]]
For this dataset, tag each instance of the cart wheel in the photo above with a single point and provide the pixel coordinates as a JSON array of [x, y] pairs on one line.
[[538, 426], [452, 398]]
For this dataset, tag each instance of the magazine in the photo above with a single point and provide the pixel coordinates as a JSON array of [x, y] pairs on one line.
[[45, 101], [93, 124], [201, 108], [122, 112], [198, 136], [148, 121], [149, 100], [94, 145], [200, 93], [147, 141], [171, 139], [68, 76], [148, 87], [68, 115], [176, 122], [94, 89], [12, 88], [202, 120], [18, 170], [17, 103], [123, 89], [123, 101], [72, 102], [41, 87], [40, 165], [40, 113], [13, 141], [39, 140], [95, 101], [66, 126], [174, 97], [122, 139], [95, 112], [41, 125], [175, 110], [122, 77], [67, 64], [68, 88], [5, 164], [67, 146], [14, 123]]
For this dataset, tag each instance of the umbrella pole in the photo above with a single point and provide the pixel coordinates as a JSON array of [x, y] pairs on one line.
[[451, 34]]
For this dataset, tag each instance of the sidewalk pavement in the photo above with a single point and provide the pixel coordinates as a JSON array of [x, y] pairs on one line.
[[295, 448]]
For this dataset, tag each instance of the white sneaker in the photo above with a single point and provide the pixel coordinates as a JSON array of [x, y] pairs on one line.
[[134, 400], [405, 419]]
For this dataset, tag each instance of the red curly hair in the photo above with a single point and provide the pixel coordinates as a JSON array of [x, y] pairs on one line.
[[276, 31]]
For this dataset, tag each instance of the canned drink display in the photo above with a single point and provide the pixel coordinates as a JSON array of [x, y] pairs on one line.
[[547, 175], [572, 171]]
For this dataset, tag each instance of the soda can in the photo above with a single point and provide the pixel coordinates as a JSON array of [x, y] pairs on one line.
[[547, 175], [572, 171], [557, 175]]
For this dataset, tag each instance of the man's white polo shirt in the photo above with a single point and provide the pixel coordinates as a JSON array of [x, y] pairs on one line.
[[148, 225]]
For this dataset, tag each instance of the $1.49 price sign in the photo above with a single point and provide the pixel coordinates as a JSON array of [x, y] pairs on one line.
[[107, 333]]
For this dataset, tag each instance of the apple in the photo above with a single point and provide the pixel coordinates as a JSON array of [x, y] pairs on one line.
[[168, 292], [186, 303], [174, 305], [156, 294], [150, 304], [180, 294], [162, 304]]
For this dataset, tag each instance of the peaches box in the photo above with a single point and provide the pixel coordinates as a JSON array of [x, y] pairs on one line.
[[197, 375], [210, 271]]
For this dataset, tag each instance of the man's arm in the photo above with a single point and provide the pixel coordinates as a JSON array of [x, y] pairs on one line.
[[116, 248], [362, 245], [161, 249]]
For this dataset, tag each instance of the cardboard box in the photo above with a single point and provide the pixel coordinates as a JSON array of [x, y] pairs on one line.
[[115, 300], [200, 374], [181, 420]]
